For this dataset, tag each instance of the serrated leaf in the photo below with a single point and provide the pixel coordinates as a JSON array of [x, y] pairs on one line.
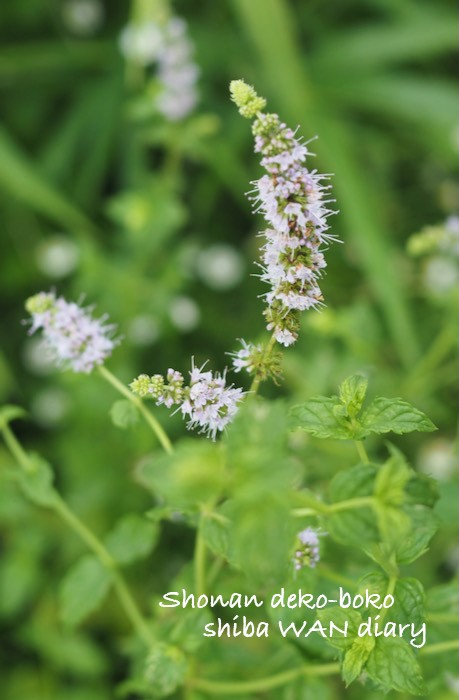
[[408, 595], [215, 532], [83, 589], [391, 480], [423, 525], [124, 414], [133, 538], [9, 413], [37, 484], [422, 489], [393, 415], [343, 618], [393, 665], [318, 417], [356, 657], [352, 393], [356, 526]]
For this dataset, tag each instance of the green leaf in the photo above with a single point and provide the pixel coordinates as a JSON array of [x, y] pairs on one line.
[[83, 589], [37, 484], [423, 525], [133, 538], [165, 670], [340, 617], [214, 529], [409, 598], [391, 480], [356, 657], [317, 417], [356, 526], [256, 449], [394, 415], [261, 537], [9, 413], [19, 177], [124, 414], [193, 474], [422, 489], [352, 393], [393, 665], [188, 632]]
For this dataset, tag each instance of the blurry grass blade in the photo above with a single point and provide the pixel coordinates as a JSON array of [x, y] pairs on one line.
[[373, 46], [19, 178], [272, 31], [428, 101], [30, 59]]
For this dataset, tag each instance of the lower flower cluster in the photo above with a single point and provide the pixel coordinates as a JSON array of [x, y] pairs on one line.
[[206, 401]]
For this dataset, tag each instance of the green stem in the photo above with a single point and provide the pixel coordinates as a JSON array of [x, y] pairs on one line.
[[218, 688], [90, 539], [327, 508], [361, 502], [390, 591], [362, 451], [440, 647], [138, 403], [304, 512], [16, 449], [199, 563], [257, 379]]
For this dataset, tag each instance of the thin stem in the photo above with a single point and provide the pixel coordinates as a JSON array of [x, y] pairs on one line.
[[199, 563], [61, 508], [389, 592], [241, 687], [362, 451], [138, 403], [440, 647], [304, 512], [361, 502], [327, 508], [16, 449], [257, 379]]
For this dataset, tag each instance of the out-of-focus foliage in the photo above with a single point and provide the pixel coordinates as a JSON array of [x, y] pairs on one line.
[[102, 198]]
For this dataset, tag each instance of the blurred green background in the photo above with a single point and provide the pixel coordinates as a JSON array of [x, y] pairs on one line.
[[104, 200]]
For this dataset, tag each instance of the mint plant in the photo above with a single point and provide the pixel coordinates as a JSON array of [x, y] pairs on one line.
[[260, 608]]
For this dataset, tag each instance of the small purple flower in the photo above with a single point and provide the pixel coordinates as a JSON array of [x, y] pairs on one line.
[[307, 549], [72, 336]]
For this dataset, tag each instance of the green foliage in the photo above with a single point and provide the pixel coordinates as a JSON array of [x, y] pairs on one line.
[[132, 538], [193, 474], [37, 482], [104, 199], [83, 590], [124, 414], [343, 418], [393, 664], [165, 670]]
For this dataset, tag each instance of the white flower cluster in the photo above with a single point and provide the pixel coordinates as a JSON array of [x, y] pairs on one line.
[[293, 201], [291, 198], [307, 551], [169, 47], [177, 72], [207, 401], [245, 358], [72, 336]]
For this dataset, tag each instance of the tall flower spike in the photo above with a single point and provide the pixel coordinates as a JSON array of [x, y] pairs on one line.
[[72, 336], [293, 201]]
